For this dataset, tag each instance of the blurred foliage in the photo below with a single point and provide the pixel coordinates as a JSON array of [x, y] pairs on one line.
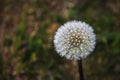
[[27, 28]]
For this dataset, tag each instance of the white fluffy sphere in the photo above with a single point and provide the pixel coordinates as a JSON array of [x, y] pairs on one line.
[[74, 40]]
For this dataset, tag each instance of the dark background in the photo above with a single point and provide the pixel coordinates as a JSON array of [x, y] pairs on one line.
[[27, 28]]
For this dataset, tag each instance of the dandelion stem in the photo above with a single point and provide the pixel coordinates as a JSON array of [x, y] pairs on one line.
[[81, 74]]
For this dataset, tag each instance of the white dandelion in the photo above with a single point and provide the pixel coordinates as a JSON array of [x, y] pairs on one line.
[[74, 40]]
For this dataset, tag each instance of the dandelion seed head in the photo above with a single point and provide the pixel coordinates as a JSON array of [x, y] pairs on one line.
[[74, 40]]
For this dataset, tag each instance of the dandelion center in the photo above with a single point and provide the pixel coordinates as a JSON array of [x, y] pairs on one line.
[[75, 40]]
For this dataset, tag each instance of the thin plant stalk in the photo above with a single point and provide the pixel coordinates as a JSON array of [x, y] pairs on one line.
[[81, 74]]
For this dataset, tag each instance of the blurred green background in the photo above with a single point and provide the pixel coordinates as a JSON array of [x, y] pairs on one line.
[[27, 29]]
